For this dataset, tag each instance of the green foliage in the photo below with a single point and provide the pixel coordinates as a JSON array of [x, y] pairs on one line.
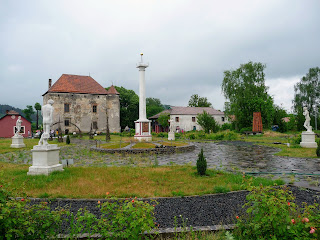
[[307, 91], [272, 214], [246, 91], [153, 106], [227, 126], [246, 129], [28, 112], [68, 140], [221, 189], [279, 114], [129, 107], [163, 119], [201, 164], [126, 220], [207, 122], [197, 101], [318, 149], [37, 106], [123, 219]]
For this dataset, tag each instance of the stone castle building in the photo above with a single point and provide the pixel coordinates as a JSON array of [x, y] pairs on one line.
[[80, 104]]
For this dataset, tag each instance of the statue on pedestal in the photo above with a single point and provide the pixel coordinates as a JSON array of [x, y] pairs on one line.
[[171, 125], [307, 121], [18, 126], [47, 113]]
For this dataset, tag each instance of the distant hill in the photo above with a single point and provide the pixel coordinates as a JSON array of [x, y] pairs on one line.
[[5, 107]]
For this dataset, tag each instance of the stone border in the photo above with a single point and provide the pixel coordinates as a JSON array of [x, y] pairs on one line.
[[164, 150]]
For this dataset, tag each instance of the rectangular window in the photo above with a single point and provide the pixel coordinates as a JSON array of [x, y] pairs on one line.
[[222, 119], [67, 122], [22, 130], [94, 108], [193, 119], [66, 107], [177, 119], [94, 125]]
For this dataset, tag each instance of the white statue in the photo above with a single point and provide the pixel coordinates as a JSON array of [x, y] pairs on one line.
[[47, 114], [171, 125], [307, 122], [18, 125]]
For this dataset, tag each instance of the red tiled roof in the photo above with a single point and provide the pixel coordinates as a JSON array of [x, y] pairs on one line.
[[77, 84], [189, 111], [113, 90]]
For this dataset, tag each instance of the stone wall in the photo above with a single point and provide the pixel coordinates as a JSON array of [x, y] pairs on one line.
[[164, 150], [81, 111]]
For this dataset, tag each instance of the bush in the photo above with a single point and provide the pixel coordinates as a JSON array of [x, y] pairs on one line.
[[192, 136], [272, 214], [68, 140], [201, 164], [296, 140], [246, 129], [318, 150], [227, 126]]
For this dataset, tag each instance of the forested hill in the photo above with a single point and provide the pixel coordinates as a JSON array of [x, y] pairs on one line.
[[5, 107]]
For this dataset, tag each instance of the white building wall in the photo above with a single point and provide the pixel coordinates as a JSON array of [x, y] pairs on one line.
[[186, 123]]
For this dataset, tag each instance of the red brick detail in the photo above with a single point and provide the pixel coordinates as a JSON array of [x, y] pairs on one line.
[[257, 122]]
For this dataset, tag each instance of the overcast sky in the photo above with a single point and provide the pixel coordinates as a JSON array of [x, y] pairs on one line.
[[188, 44]]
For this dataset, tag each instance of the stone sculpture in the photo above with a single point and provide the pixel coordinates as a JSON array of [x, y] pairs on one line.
[[18, 126], [307, 121], [47, 113]]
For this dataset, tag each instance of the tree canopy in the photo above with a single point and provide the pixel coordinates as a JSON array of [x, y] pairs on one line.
[[163, 119], [28, 111], [247, 93], [154, 106], [197, 101], [207, 122], [307, 93]]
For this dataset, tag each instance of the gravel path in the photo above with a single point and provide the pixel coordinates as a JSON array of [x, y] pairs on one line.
[[208, 210]]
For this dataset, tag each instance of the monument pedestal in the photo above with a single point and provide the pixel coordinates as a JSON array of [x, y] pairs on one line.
[[17, 142], [171, 136], [143, 130], [45, 159], [308, 140]]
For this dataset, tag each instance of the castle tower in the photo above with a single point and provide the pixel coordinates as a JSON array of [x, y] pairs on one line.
[[142, 125]]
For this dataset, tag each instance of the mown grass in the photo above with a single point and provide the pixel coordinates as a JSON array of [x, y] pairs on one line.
[[114, 145], [94, 182], [144, 145], [29, 142], [269, 138]]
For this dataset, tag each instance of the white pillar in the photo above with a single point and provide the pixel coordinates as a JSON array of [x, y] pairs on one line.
[[142, 125]]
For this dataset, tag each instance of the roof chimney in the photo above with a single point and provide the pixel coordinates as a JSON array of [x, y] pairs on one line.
[[50, 82], [7, 111]]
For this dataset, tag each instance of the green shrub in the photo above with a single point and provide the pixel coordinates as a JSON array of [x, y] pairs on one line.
[[318, 149], [272, 214], [192, 136], [227, 126], [68, 140], [246, 129], [296, 140], [201, 164], [230, 136]]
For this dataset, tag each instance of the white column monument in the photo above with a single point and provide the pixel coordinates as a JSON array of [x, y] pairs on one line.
[[307, 137], [142, 125], [171, 135], [17, 139], [45, 156]]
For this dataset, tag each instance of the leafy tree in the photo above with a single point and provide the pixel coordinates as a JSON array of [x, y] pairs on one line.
[[197, 101], [307, 93], [163, 119], [279, 114], [207, 122], [37, 106], [28, 112], [154, 106], [129, 107], [246, 91]]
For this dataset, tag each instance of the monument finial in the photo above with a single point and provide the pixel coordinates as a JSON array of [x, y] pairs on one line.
[[141, 57]]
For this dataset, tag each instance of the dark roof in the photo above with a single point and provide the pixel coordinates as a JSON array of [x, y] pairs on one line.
[[13, 112], [68, 83], [113, 90], [188, 111]]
